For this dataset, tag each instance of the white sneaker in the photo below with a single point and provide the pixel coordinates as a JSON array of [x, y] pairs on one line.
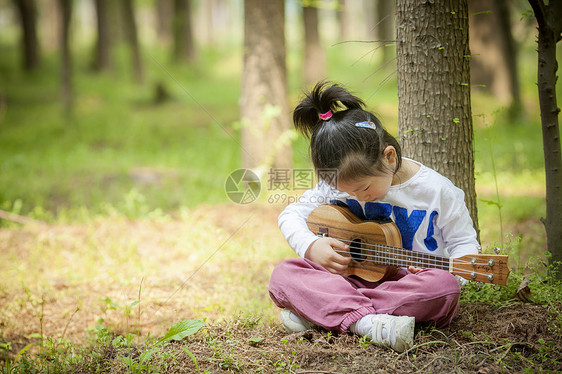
[[294, 323], [396, 332]]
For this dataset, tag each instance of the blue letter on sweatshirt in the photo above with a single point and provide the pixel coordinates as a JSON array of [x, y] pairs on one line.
[[408, 225], [430, 242]]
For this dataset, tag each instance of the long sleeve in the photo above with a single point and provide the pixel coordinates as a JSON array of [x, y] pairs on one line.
[[456, 225], [292, 221]]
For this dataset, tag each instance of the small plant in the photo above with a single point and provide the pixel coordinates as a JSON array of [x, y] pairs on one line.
[[287, 367], [181, 330], [142, 362], [225, 357], [364, 342]]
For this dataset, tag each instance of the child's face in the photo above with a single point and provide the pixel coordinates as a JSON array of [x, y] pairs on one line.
[[369, 188]]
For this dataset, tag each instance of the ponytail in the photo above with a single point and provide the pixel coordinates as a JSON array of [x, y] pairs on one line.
[[333, 119], [323, 98]]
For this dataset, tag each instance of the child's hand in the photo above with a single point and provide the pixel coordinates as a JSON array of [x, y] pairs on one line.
[[323, 252]]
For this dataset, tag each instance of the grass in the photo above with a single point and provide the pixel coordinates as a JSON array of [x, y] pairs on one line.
[[112, 142], [140, 234]]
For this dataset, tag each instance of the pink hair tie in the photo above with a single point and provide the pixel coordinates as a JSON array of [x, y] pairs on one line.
[[326, 116]]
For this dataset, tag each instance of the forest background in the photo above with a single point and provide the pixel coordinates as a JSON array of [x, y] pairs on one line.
[[116, 212]]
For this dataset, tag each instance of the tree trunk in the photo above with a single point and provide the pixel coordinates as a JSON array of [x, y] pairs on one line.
[[434, 119], [130, 25], [343, 21], [29, 41], [116, 21], [384, 27], [264, 105], [164, 13], [102, 56], [184, 49], [314, 57], [48, 26], [509, 49], [550, 27], [494, 55], [66, 62]]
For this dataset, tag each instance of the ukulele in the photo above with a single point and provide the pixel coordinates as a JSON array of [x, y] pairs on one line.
[[377, 253]]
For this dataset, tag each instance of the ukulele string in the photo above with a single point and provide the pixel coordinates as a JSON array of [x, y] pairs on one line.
[[377, 251], [383, 260], [400, 253], [372, 255]]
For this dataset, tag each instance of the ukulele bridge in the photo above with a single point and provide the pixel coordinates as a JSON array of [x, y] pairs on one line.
[[322, 231]]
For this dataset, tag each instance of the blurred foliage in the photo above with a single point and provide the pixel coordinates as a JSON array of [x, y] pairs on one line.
[[120, 151]]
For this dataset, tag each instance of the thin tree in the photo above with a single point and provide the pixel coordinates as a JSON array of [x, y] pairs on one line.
[[384, 27], [264, 105], [550, 33], [130, 26], [342, 18], [314, 56], [102, 55], [184, 47], [435, 122], [27, 11], [66, 62], [164, 16], [493, 64]]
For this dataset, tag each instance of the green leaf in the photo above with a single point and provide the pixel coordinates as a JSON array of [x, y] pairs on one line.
[[254, 342], [491, 202], [127, 361], [181, 330], [192, 356], [24, 349], [117, 341], [147, 355]]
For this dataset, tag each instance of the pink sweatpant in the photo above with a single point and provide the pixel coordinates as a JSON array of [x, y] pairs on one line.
[[335, 302]]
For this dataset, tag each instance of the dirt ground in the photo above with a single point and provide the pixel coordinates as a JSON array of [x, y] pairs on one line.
[[482, 339], [518, 338]]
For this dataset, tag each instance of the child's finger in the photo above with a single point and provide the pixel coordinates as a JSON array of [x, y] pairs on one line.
[[413, 269], [338, 244]]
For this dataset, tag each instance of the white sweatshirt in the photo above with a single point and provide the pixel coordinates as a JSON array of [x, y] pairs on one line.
[[428, 209]]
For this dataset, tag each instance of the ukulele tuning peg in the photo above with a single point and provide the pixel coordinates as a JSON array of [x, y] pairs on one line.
[[497, 250]]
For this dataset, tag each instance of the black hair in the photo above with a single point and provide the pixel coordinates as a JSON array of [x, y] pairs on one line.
[[336, 143]]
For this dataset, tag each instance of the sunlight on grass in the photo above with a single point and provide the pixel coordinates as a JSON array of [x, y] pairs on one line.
[[190, 267]]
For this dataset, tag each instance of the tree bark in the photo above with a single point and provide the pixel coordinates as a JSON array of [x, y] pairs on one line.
[[102, 56], [29, 42], [550, 28], [434, 119], [264, 105], [130, 25], [314, 57]]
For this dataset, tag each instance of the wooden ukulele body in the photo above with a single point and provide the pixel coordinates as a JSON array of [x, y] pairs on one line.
[[377, 253]]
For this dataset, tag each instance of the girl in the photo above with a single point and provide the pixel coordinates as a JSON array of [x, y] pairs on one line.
[[374, 182]]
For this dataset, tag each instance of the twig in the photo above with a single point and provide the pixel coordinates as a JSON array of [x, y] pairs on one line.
[[18, 219]]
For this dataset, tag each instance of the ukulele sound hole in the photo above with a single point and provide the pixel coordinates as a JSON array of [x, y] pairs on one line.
[[355, 250]]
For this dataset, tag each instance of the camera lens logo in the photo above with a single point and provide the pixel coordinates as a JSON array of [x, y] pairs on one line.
[[242, 186]]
